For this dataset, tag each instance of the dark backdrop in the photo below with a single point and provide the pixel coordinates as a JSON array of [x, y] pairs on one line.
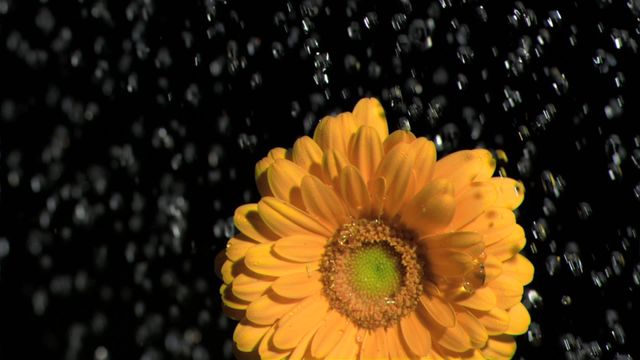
[[129, 132]]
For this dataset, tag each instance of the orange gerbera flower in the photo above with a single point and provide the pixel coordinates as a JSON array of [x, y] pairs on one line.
[[364, 246]]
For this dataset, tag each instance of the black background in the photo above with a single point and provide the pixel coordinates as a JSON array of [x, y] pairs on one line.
[[129, 132]]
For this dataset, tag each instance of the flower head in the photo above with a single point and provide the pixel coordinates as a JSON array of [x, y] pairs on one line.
[[363, 245]]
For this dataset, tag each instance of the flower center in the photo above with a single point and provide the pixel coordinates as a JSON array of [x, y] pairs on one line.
[[372, 273]]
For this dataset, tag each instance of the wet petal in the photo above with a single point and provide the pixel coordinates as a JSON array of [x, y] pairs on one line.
[[268, 308], [424, 155], [492, 218], [299, 285], [334, 133], [262, 260], [298, 322], [374, 345], [438, 310], [510, 192], [322, 202], [300, 248], [369, 112], [496, 234], [396, 169], [519, 268], [492, 268], [329, 334], [247, 219], [495, 321], [248, 335], [519, 320], [499, 347], [377, 190], [396, 138], [285, 219], [464, 167], [449, 263], [415, 334], [354, 191], [454, 338], [431, 209], [508, 246], [230, 300], [365, 151], [308, 155], [472, 202], [474, 328]]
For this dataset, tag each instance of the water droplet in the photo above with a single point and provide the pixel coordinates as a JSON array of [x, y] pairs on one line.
[[565, 300]]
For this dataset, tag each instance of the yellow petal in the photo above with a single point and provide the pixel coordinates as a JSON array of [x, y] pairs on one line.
[[348, 346], [308, 155], [268, 308], [248, 335], [261, 170], [499, 347], [510, 192], [481, 299], [464, 167], [424, 155], [322, 202], [493, 268], [238, 246], [396, 169], [508, 291], [369, 112], [396, 138], [415, 334], [354, 191], [431, 209], [250, 287], [329, 334], [495, 321], [284, 179], [298, 286], [226, 270], [298, 322], [377, 190], [472, 202], [496, 234], [285, 219], [301, 248], [474, 328], [301, 351], [468, 242], [332, 164], [491, 219], [437, 309], [519, 320], [267, 350], [261, 259], [247, 219], [449, 262], [453, 338], [374, 345], [519, 268], [365, 151], [396, 344], [508, 246], [334, 133]]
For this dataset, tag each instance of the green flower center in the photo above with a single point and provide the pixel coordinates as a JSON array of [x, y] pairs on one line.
[[375, 271]]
